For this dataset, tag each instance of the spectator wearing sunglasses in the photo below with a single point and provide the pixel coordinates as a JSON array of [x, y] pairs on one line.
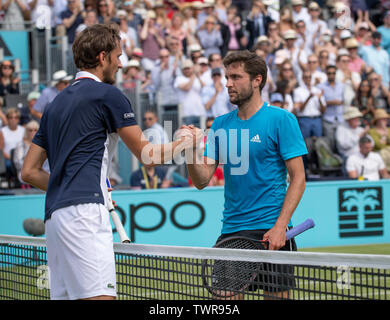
[[9, 82]]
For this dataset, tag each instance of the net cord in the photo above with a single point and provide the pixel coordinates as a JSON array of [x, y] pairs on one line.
[[280, 257]]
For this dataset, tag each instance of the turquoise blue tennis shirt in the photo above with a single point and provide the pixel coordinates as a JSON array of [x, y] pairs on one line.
[[253, 152]]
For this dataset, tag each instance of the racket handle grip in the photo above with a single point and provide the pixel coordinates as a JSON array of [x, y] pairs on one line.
[[307, 224]]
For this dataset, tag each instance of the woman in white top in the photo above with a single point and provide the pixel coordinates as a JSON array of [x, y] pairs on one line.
[[11, 135]]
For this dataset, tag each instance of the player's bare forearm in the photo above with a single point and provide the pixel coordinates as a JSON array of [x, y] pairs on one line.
[[277, 235], [201, 171], [32, 171], [152, 154]]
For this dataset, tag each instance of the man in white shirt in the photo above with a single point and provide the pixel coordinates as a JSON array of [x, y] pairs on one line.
[[310, 104], [299, 12], [215, 96], [349, 132], [365, 164], [189, 87], [154, 131], [314, 25]]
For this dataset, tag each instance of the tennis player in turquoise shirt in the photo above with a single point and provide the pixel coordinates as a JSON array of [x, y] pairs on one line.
[[258, 145]]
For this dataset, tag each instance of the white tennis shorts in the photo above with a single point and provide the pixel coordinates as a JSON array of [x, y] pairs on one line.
[[80, 252]]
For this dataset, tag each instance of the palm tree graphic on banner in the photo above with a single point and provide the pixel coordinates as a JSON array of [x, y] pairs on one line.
[[368, 198]]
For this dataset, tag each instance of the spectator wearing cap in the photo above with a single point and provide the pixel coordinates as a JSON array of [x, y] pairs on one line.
[[189, 88], [60, 81], [72, 18], [210, 37], [315, 26], [350, 79], [380, 133], [349, 132], [384, 30], [356, 64], [134, 19], [26, 110], [276, 99], [163, 77], [299, 11], [325, 44], [152, 40], [377, 58], [257, 22], [333, 92], [309, 104], [215, 97]]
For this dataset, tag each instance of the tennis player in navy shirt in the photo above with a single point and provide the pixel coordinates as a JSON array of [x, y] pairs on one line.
[[77, 135], [258, 144]]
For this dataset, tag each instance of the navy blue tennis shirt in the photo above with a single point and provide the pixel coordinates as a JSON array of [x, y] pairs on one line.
[[78, 132]]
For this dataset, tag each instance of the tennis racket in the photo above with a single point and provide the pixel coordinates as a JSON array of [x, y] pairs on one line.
[[225, 278], [115, 218]]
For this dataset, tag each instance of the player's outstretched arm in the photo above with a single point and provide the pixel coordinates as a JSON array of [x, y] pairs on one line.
[[32, 172], [153, 154]]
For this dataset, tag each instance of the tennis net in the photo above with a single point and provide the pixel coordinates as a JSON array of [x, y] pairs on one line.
[[192, 273]]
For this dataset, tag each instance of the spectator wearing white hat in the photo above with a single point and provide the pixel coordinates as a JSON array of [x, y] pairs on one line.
[[189, 88], [356, 64], [350, 79], [299, 11], [208, 7], [132, 72], [325, 44], [349, 132], [25, 111], [60, 81], [315, 26], [297, 56]]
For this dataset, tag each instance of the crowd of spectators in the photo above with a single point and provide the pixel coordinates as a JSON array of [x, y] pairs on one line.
[[328, 63]]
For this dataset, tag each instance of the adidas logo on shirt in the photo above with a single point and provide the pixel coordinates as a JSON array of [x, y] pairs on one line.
[[256, 138]]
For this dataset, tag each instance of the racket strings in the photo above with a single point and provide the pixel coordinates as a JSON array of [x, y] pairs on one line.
[[228, 277]]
